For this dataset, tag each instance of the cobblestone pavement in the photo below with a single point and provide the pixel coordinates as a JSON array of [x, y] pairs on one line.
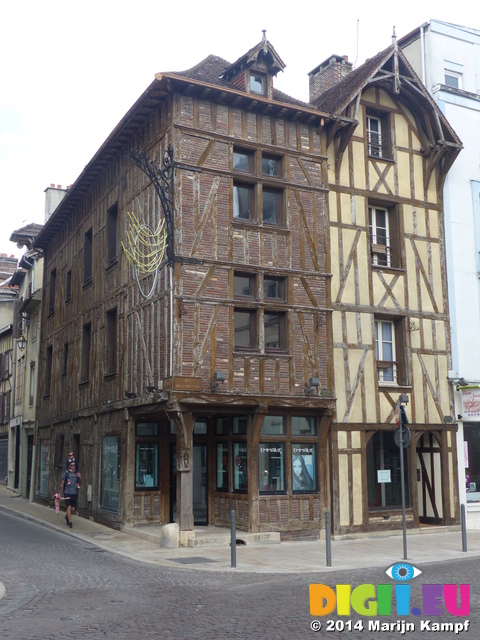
[[60, 587]]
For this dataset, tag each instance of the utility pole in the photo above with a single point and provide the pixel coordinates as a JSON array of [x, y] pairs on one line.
[[404, 438]]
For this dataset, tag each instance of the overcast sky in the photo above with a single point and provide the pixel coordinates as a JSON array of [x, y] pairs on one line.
[[70, 71]]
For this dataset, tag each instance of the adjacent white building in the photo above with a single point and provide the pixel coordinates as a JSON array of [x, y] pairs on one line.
[[447, 58]]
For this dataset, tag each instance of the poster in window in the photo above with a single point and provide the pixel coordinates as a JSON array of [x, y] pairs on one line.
[[240, 478], [303, 467]]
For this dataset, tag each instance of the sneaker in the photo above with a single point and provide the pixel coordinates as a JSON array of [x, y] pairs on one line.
[[70, 525], [66, 521]]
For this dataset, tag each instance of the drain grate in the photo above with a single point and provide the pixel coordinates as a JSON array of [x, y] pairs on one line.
[[194, 560]]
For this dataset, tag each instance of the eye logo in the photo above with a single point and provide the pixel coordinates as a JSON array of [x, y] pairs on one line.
[[402, 572]]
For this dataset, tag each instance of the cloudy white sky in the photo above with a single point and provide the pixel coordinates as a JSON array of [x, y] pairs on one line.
[[69, 71]]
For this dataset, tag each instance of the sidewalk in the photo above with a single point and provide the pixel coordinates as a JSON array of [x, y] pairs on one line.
[[143, 544]]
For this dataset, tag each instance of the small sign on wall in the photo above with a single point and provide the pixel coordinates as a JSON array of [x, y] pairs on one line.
[[384, 475]]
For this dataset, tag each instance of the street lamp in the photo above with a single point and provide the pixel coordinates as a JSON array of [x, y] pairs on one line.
[[21, 342], [403, 441]]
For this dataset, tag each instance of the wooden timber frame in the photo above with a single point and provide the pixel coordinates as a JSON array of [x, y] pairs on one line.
[[397, 283], [169, 347]]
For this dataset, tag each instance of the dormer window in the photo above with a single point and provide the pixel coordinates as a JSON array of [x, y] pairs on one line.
[[258, 83]]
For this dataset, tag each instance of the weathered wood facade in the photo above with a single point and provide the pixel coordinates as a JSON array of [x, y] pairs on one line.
[[389, 296], [173, 401]]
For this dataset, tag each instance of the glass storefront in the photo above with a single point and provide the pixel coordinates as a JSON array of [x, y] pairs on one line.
[[43, 467], [110, 474]]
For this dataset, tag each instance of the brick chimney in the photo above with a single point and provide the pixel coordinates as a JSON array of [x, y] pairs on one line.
[[327, 75], [8, 266]]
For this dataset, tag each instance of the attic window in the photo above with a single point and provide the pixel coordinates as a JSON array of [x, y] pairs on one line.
[[378, 134], [258, 83]]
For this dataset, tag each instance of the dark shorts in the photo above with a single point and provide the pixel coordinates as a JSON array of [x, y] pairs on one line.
[[71, 501]]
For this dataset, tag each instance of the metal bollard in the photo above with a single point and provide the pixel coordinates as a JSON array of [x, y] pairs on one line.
[[233, 539], [464, 527], [328, 539]]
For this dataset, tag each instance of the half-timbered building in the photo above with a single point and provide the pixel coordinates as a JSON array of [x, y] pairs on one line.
[[390, 321], [186, 364]]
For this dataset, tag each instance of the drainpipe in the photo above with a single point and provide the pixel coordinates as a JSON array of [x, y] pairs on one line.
[[422, 49]]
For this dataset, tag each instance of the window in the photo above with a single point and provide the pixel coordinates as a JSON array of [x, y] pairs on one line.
[[146, 457], [231, 437], [65, 359], [243, 160], [86, 340], [390, 351], [380, 236], [275, 288], [110, 474], [31, 392], [274, 324], [471, 445], [5, 399], [272, 206], [68, 286], [112, 235], [385, 351], [452, 79], [244, 285], [51, 294], [293, 438], [378, 136], [384, 236], [111, 342], [271, 166], [87, 257], [48, 370], [257, 83], [20, 379], [245, 329], [383, 472], [243, 201]]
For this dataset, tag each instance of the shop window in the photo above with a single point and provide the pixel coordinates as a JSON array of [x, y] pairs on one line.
[[146, 466], [304, 475], [471, 437], [271, 467], [231, 435], [383, 472], [378, 134], [110, 474], [222, 466], [292, 438]]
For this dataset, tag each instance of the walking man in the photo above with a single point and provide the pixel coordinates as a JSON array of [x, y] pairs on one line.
[[71, 481]]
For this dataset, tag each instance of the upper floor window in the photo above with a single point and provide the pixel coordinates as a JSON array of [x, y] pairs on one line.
[[275, 288], [51, 294], [258, 83], [244, 285], [48, 370], [86, 340], [112, 235], [111, 341], [378, 134], [88, 257], [271, 166], [243, 200], [31, 391], [243, 160], [453, 79], [272, 206], [390, 351], [384, 236]]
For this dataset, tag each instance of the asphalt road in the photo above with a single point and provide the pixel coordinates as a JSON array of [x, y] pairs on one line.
[[60, 587]]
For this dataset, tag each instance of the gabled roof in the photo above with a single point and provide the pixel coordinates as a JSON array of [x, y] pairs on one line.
[[263, 50], [391, 71], [26, 235]]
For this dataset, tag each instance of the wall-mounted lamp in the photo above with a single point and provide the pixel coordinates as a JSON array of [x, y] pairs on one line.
[[130, 394], [21, 342], [108, 406], [313, 383], [218, 377], [152, 389], [403, 399]]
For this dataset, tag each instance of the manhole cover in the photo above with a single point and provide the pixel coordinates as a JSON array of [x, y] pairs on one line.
[[194, 560]]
